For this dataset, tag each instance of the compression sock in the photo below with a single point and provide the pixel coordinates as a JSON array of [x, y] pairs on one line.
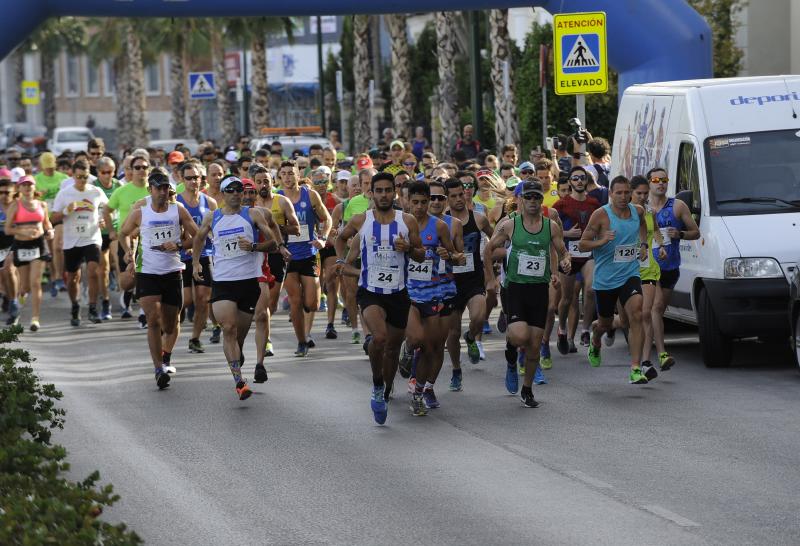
[[236, 370]]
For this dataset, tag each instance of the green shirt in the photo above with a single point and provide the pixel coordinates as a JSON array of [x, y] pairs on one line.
[[529, 254], [109, 192], [356, 205], [49, 185], [124, 198]]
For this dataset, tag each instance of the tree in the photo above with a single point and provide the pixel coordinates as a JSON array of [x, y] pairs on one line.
[[361, 78], [448, 106], [720, 16], [137, 135], [227, 116], [107, 43], [424, 66], [18, 69], [506, 126], [401, 77]]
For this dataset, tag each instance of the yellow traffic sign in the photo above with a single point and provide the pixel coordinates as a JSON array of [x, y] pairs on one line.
[[579, 53], [30, 92]]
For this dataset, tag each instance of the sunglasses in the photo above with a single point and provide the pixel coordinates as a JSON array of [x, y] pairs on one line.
[[192, 178], [409, 164], [438, 197], [95, 154], [526, 171], [659, 180], [141, 167], [81, 177], [577, 177], [532, 197], [4, 192], [233, 190], [105, 172], [468, 186]]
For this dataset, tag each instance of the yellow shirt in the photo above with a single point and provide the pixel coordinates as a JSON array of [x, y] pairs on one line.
[[550, 197]]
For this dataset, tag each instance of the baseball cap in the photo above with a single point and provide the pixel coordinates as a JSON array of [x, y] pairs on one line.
[[364, 163], [17, 173], [175, 157], [5, 174], [323, 170], [231, 156], [230, 181], [343, 175], [397, 143], [158, 178], [47, 160], [248, 184], [527, 165], [530, 186], [27, 179], [512, 182]]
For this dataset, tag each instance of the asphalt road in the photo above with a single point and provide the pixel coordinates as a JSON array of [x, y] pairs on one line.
[[699, 456]]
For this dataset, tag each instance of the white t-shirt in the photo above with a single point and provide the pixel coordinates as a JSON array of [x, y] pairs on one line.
[[82, 225], [69, 182]]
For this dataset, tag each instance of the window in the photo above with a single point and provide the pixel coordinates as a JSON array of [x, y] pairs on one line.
[[73, 76], [92, 78], [109, 81], [152, 79], [689, 178]]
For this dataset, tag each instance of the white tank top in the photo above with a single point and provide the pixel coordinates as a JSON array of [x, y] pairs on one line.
[[383, 269], [158, 228], [231, 263]]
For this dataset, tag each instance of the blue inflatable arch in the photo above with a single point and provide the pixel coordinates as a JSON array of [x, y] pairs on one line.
[[649, 40]]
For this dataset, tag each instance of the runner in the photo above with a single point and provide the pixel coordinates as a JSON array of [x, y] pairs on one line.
[[8, 273], [616, 235], [348, 285], [675, 223], [302, 274], [320, 179], [79, 206], [164, 229], [48, 182], [107, 184], [470, 281], [533, 239], [387, 238], [197, 292]]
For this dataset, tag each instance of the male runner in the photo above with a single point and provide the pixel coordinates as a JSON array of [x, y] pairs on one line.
[[387, 238], [107, 184], [237, 263], [320, 180], [8, 273], [347, 284]]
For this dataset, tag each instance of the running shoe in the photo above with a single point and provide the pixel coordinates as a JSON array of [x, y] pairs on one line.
[[594, 356], [538, 377], [563, 343], [521, 361], [456, 383], [636, 377], [94, 318], [170, 369], [195, 346], [412, 385], [481, 352], [572, 347], [60, 285], [323, 304], [261, 374], [502, 323], [142, 321], [586, 339], [302, 349], [378, 404], [512, 379], [243, 390], [487, 328], [162, 379], [126, 313], [526, 397], [285, 303], [429, 397], [75, 313], [609, 337], [649, 370], [53, 290], [106, 310], [406, 359], [356, 338], [330, 332], [418, 408], [13, 313], [367, 339], [345, 317], [665, 361], [268, 349], [216, 332], [473, 352], [310, 343], [34, 326], [545, 359]]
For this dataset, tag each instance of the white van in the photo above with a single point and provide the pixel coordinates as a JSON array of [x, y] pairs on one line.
[[731, 148]]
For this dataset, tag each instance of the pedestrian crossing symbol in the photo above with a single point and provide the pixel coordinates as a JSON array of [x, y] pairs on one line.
[[579, 53], [201, 85]]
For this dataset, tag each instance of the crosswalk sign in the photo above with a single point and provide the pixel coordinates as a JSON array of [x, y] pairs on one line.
[[30, 92], [201, 85], [579, 53]]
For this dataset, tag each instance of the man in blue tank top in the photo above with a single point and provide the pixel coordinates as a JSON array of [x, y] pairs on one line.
[[676, 223], [616, 235]]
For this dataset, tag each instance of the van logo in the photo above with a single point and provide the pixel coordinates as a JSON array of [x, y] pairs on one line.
[[764, 99]]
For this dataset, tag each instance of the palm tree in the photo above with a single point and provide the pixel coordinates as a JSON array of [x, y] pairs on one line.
[[18, 69], [138, 133], [227, 115], [177, 76], [506, 128], [107, 43], [361, 66], [401, 78], [446, 53]]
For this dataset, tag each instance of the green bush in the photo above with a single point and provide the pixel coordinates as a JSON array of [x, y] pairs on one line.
[[38, 505]]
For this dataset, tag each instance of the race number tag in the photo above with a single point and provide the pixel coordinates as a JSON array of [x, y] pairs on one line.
[[3, 255], [626, 253], [82, 224], [304, 236], [226, 243], [467, 267], [645, 263], [387, 278], [386, 256], [420, 271], [28, 254], [575, 252], [665, 236], [531, 266], [158, 235]]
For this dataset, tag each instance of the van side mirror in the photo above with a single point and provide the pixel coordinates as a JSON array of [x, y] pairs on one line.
[[688, 198]]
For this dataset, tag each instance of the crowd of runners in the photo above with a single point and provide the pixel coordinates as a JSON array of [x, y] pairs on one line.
[[405, 245]]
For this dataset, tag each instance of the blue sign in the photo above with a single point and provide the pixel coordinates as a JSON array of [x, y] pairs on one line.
[[201, 85], [580, 53]]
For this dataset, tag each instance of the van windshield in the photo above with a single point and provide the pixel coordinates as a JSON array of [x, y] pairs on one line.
[[754, 173], [72, 136]]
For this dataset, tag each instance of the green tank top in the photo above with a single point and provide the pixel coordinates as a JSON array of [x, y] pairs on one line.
[[648, 268], [356, 205], [529, 254]]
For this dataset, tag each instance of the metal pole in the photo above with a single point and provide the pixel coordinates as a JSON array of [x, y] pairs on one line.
[[580, 106], [544, 117], [321, 78], [245, 94], [475, 76]]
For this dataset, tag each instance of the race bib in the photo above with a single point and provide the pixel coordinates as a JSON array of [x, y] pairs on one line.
[[575, 253], [387, 278], [228, 246], [665, 236], [531, 266], [28, 254], [82, 224], [158, 235], [386, 256], [467, 267], [420, 271], [645, 263], [303, 237], [3, 255], [626, 253]]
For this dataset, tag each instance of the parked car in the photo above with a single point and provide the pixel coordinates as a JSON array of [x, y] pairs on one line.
[[169, 144], [33, 137], [794, 312], [74, 139]]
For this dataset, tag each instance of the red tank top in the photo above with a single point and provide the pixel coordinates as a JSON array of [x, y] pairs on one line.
[[25, 216]]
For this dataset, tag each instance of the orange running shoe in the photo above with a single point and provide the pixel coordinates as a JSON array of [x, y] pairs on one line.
[[243, 390]]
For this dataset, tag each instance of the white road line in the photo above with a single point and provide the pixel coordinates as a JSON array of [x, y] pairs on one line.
[[671, 516], [585, 478]]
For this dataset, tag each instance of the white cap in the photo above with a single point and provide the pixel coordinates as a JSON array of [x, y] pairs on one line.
[[17, 173], [231, 157], [323, 169], [228, 180], [343, 175]]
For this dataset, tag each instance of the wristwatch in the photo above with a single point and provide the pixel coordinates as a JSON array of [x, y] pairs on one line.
[[322, 238]]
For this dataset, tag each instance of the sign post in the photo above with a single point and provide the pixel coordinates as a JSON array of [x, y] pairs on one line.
[[580, 56]]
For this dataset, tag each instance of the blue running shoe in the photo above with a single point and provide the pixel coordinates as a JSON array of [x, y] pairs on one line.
[[512, 379], [429, 397], [538, 377], [323, 304], [487, 329], [53, 290], [378, 404], [345, 317], [455, 383]]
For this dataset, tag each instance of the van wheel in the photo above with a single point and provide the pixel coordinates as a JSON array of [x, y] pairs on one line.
[[796, 338], [715, 347]]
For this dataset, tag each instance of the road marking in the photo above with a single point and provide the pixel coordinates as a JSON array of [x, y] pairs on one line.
[[671, 516], [585, 478]]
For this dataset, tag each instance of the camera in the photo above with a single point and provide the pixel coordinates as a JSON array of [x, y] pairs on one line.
[[580, 135]]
